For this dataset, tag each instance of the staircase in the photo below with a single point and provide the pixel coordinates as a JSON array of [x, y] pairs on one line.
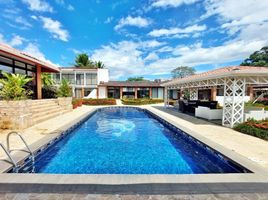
[[45, 109]]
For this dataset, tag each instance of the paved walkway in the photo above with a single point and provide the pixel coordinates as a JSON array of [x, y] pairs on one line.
[[252, 148]]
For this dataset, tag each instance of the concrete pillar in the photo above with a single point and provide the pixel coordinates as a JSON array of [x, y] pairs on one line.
[[38, 82], [250, 93], [83, 92], [121, 92], [136, 93], [213, 93], [150, 93], [97, 92]]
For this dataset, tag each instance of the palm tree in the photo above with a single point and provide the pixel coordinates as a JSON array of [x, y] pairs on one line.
[[99, 65], [82, 60], [47, 79]]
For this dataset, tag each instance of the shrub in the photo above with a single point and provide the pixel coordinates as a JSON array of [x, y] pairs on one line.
[[141, 101], [96, 102], [64, 90], [14, 87], [75, 103], [255, 128], [49, 92]]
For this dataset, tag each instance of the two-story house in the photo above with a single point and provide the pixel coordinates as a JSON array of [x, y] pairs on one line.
[[84, 81]]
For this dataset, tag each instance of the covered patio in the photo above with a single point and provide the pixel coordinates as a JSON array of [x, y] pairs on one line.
[[18, 62], [235, 81]]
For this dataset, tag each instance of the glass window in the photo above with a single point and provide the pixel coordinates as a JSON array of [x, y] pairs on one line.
[[56, 78], [5, 60], [20, 71], [20, 64], [30, 67], [154, 93], [91, 79], [79, 79], [128, 89], [68, 77], [5, 68]]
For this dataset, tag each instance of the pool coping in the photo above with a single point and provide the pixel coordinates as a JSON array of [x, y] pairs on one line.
[[124, 183]]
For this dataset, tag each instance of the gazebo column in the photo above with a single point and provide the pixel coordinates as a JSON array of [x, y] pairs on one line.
[[166, 96], [193, 93], [250, 91], [39, 81], [233, 106], [213, 93]]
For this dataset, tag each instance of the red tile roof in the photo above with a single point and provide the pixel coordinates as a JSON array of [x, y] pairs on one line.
[[222, 72], [131, 84]]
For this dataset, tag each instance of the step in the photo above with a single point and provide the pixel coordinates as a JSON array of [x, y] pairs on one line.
[[43, 101], [49, 116], [47, 112], [44, 108], [43, 105]]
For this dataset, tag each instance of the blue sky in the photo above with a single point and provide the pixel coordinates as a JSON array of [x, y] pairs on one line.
[[137, 38]]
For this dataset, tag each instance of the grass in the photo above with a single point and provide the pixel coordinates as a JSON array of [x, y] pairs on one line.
[[141, 101]]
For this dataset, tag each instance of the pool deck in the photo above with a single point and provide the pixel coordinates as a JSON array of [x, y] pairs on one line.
[[249, 151]]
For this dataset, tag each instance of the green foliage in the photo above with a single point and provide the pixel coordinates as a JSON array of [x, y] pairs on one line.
[[140, 78], [258, 58], [83, 61], [255, 105], [97, 102], [49, 92], [144, 101], [99, 65], [14, 87], [64, 90], [182, 71], [47, 79], [250, 129]]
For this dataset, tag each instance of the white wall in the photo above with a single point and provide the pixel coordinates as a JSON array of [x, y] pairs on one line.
[[220, 99], [103, 75], [102, 92]]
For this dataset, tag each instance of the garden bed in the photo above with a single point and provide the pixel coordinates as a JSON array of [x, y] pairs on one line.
[[99, 102], [141, 101], [255, 128]]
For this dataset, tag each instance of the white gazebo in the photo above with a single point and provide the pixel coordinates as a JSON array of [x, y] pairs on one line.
[[235, 81]]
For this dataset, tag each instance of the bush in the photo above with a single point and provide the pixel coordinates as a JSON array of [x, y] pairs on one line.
[[255, 128], [64, 90], [49, 92], [98, 102], [141, 101]]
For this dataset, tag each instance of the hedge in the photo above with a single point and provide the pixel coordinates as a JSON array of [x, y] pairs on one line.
[[141, 101], [253, 128], [98, 102]]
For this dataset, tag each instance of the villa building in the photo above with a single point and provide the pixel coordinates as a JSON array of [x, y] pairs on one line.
[[131, 89], [84, 81], [18, 62]]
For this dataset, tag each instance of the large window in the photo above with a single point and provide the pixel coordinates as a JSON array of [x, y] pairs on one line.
[[157, 93], [143, 93], [68, 77], [91, 79], [114, 92], [79, 79]]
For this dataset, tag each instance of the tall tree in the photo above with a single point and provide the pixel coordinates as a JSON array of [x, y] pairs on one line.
[[182, 71], [99, 65], [140, 78], [82, 60], [258, 58]]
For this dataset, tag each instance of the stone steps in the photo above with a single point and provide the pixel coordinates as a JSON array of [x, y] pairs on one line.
[[45, 117]]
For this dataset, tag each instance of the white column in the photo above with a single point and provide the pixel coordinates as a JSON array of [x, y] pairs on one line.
[[85, 79], [233, 105], [193, 93], [165, 96]]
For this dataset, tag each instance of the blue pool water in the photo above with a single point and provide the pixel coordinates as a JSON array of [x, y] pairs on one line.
[[128, 141]]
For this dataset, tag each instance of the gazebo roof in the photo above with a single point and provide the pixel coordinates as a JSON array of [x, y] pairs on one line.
[[232, 71], [6, 50]]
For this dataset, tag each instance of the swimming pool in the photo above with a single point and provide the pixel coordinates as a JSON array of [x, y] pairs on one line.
[[125, 140]]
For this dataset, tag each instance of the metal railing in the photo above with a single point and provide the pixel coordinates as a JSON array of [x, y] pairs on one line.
[[11, 160]]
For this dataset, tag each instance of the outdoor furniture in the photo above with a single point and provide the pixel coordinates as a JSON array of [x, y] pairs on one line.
[[256, 113], [191, 105], [208, 113]]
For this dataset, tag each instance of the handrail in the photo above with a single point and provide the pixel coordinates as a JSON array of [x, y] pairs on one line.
[[12, 161], [23, 140]]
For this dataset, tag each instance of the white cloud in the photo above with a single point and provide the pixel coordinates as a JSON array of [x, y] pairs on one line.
[[70, 7], [177, 32], [63, 4], [16, 40], [108, 20], [38, 5], [151, 44], [171, 3], [55, 28], [151, 57], [132, 21]]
